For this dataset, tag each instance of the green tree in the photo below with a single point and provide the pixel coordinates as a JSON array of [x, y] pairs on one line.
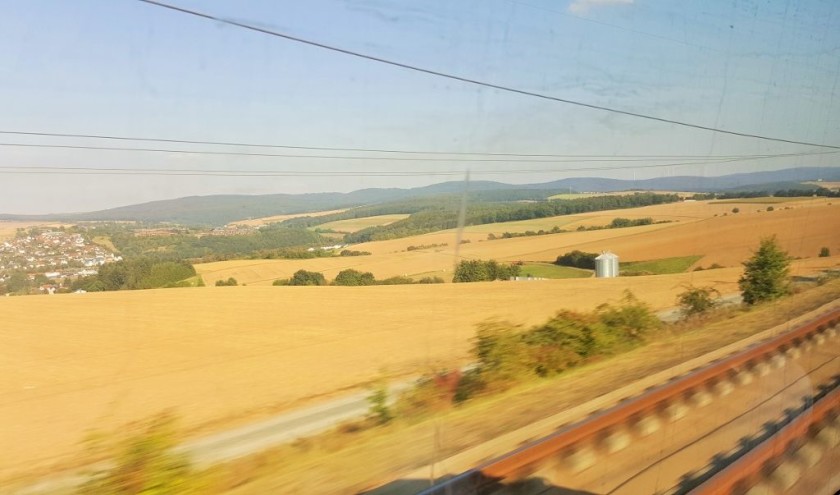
[[765, 275], [825, 252], [480, 271], [304, 277], [229, 282], [351, 277], [697, 300], [577, 259], [17, 282], [471, 271]]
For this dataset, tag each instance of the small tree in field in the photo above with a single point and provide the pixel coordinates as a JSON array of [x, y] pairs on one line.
[[765, 274], [825, 252], [697, 300]]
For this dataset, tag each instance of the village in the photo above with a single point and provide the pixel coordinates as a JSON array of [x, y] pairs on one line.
[[46, 260]]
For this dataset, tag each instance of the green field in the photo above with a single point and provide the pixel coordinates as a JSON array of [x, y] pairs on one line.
[[549, 270], [356, 224], [660, 266], [763, 200]]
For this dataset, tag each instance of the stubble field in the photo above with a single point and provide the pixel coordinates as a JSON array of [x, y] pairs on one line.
[[99, 360], [219, 355], [696, 228]]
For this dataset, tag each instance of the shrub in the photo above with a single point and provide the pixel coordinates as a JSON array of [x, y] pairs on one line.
[[479, 271], [350, 277], [697, 300], [145, 464], [618, 223], [736, 210], [825, 252], [229, 282], [630, 318], [348, 252], [396, 280], [304, 277], [500, 351], [379, 410]]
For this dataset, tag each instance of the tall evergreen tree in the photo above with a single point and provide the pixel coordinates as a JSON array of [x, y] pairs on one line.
[[765, 275]]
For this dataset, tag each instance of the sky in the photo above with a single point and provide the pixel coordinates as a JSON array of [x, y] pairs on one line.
[[130, 69]]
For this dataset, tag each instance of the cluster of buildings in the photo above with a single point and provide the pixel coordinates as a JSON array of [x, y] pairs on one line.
[[51, 256]]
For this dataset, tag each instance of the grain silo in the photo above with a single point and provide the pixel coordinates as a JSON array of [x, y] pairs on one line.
[[606, 265]]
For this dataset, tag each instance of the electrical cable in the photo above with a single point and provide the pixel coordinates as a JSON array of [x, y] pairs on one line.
[[477, 82]]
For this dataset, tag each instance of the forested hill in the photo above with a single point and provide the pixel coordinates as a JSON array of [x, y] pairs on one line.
[[222, 209]]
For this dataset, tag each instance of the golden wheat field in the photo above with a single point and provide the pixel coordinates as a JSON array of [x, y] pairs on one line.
[[99, 360], [219, 355], [696, 228], [357, 224]]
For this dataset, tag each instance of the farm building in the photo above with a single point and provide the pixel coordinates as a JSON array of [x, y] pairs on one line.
[[606, 265]]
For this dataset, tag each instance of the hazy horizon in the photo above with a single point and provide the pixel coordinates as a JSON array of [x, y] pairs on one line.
[[129, 69]]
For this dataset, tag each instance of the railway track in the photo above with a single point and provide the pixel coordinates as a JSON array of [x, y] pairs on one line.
[[795, 372]]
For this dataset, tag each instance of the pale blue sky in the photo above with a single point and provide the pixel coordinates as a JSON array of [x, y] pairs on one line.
[[122, 67]]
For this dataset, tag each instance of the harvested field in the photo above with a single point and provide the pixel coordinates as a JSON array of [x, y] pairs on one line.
[[729, 240], [769, 200], [213, 355], [357, 224], [726, 240], [256, 222]]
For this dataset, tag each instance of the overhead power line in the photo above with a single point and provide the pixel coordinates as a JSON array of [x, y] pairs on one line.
[[512, 159], [108, 137], [69, 170], [476, 82]]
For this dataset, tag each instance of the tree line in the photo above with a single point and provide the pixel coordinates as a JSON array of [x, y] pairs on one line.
[[350, 278], [137, 273], [441, 218]]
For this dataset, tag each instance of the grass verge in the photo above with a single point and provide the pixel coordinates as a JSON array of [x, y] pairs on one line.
[[550, 270], [659, 267]]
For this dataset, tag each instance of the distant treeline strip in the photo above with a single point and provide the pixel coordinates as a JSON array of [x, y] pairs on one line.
[[441, 217], [264, 243]]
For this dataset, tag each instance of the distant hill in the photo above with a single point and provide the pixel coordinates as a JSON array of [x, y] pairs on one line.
[[770, 180], [222, 209]]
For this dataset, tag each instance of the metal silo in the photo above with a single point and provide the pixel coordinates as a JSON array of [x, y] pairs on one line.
[[606, 265]]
